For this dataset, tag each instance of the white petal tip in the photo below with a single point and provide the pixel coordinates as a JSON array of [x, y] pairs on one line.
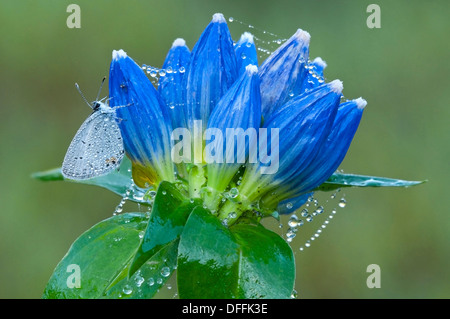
[[336, 86], [218, 18], [318, 61], [360, 103], [251, 69], [303, 36], [246, 37], [119, 54], [178, 43]]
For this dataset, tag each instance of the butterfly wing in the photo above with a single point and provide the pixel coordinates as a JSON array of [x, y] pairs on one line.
[[96, 149]]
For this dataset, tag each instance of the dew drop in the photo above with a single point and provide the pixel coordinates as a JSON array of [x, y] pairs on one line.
[[289, 205], [141, 234], [164, 192], [151, 281], [182, 69], [127, 290], [233, 193], [162, 72], [293, 221], [165, 271], [139, 280], [231, 19], [342, 202]]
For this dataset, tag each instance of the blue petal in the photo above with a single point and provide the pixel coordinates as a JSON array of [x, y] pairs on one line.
[[314, 78], [212, 70], [170, 86], [303, 125], [144, 123], [239, 108], [334, 149], [290, 205], [246, 52], [283, 73]]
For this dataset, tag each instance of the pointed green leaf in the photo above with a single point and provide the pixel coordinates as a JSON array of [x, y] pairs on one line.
[[169, 214], [116, 181], [338, 180], [243, 261]]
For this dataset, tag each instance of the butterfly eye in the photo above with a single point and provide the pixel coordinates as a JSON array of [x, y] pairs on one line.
[[96, 106]]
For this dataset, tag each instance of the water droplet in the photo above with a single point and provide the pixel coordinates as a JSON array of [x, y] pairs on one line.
[[151, 281], [139, 280], [319, 210], [141, 234], [169, 70], [308, 244], [164, 192], [231, 19], [165, 271], [127, 290], [289, 205], [309, 218], [342, 202], [159, 281], [304, 212], [232, 215], [182, 69], [293, 221], [162, 72], [233, 193]]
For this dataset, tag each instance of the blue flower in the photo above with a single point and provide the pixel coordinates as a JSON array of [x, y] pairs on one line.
[[295, 130]]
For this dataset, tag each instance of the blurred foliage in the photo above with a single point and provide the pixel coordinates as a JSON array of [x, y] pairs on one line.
[[401, 70]]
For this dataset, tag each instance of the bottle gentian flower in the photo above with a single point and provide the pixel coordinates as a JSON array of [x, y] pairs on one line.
[[294, 129]]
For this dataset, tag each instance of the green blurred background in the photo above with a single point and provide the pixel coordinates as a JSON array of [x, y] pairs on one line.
[[402, 70]]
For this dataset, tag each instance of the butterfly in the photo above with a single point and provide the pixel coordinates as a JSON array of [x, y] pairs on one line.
[[97, 147]]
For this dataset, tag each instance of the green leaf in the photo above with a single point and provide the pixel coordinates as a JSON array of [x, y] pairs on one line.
[[169, 214], [102, 254], [116, 181], [338, 180], [146, 282], [243, 261]]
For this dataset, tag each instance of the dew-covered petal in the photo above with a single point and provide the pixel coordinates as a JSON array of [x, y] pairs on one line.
[[144, 123], [170, 86], [283, 72], [314, 77], [246, 52], [237, 117], [212, 70]]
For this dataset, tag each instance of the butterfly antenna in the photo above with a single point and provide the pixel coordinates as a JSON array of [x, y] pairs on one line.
[[100, 90], [82, 95]]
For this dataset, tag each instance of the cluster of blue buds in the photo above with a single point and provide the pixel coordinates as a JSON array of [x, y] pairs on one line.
[[242, 136]]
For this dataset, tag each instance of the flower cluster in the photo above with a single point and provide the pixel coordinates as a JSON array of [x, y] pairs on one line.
[[307, 129]]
